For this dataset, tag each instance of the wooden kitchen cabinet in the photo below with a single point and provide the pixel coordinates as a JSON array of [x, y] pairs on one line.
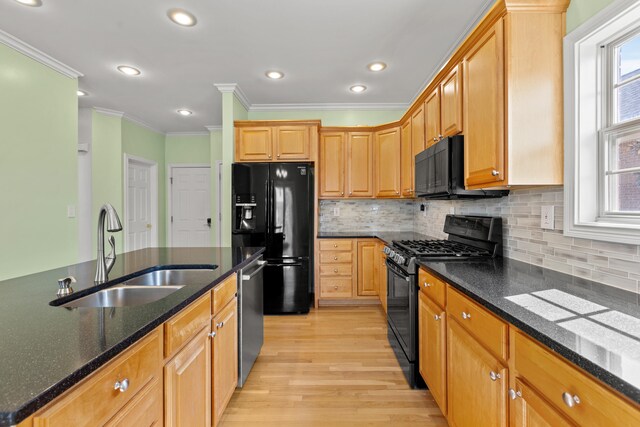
[[417, 133], [144, 410], [360, 164], [292, 143], [433, 349], [407, 162], [451, 103], [187, 384], [282, 141], [225, 357], [432, 117], [530, 409], [254, 144], [367, 268], [332, 164], [387, 153]]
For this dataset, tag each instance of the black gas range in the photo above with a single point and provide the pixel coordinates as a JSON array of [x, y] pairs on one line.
[[470, 238]]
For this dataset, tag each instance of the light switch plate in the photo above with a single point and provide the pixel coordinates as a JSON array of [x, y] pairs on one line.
[[71, 211], [547, 217], [336, 211]]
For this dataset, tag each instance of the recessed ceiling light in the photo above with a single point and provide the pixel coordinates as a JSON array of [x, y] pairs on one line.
[[32, 3], [183, 112], [81, 93], [182, 17], [377, 66], [275, 75], [129, 71], [358, 88]]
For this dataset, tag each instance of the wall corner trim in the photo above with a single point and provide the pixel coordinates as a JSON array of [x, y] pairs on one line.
[[108, 112], [194, 133], [37, 55], [214, 128], [235, 89]]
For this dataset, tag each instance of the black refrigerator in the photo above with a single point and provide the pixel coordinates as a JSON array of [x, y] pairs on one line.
[[272, 206]]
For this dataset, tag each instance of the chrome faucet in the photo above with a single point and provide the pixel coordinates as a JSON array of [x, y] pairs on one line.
[[105, 264]]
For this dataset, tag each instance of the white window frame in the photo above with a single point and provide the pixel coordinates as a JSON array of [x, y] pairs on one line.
[[587, 112]]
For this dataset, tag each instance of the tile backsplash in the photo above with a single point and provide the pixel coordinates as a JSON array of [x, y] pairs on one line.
[[362, 214]]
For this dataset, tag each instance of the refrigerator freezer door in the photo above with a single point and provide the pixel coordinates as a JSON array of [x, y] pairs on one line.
[[286, 286]]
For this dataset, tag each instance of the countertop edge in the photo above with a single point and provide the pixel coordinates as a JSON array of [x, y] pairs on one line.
[[39, 401]]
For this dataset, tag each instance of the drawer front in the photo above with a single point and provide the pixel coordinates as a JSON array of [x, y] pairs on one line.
[[224, 292], [484, 326], [336, 287], [336, 270], [96, 401], [557, 380], [336, 244], [333, 257], [432, 287], [183, 326], [144, 410]]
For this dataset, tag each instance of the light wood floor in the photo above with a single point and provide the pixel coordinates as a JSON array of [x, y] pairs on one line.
[[333, 367]]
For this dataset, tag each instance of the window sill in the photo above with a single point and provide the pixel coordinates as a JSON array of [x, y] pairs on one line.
[[605, 231]]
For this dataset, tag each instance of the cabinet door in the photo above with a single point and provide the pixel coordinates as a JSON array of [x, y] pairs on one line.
[[187, 384], [144, 409], [332, 162], [451, 103], [382, 278], [367, 283], [359, 164], [407, 163], [417, 133], [532, 410], [225, 358], [253, 143], [433, 351], [292, 142], [387, 163], [432, 117], [476, 396], [484, 148]]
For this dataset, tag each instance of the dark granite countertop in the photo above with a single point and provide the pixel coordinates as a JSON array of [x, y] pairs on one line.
[[45, 350], [597, 327], [385, 236]]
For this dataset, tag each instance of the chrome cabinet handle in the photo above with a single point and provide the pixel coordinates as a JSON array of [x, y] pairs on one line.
[[435, 139], [494, 376], [437, 317], [212, 334], [427, 284], [495, 172], [513, 395], [440, 136], [570, 400], [220, 325], [466, 315], [121, 385]]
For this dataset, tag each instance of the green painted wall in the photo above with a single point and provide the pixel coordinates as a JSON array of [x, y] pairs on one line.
[[333, 117], [581, 10], [38, 166], [187, 149], [142, 142]]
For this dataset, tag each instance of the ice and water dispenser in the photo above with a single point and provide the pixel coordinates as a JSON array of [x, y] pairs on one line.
[[245, 218]]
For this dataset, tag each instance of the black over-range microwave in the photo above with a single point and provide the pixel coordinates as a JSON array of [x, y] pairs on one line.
[[439, 172]]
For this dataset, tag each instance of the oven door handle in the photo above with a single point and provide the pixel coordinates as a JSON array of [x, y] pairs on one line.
[[398, 272]]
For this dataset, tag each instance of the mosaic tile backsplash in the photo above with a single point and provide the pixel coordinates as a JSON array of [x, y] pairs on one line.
[[356, 215]]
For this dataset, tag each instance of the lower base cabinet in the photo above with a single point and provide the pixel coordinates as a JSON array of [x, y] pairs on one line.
[[432, 362], [530, 409], [144, 410], [225, 357]]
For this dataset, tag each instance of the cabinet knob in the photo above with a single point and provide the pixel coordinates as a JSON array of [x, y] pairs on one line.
[[121, 385], [435, 139], [220, 325], [397, 192], [427, 284], [437, 317], [212, 334], [335, 287], [269, 155], [495, 172], [466, 315], [494, 376], [335, 246], [570, 400], [335, 258], [342, 193], [513, 395], [278, 155], [440, 136], [335, 270]]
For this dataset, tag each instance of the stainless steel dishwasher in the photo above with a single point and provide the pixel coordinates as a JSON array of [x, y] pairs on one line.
[[251, 317]]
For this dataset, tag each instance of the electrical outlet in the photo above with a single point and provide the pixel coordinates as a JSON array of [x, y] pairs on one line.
[[336, 211], [547, 217], [71, 211]]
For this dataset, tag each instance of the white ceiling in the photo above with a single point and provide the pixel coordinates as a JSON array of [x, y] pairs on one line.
[[322, 46]]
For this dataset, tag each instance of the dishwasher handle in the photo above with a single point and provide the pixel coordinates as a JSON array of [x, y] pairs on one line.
[[262, 264]]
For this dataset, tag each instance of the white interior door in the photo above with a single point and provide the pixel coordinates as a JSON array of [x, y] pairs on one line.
[[140, 219], [191, 206]]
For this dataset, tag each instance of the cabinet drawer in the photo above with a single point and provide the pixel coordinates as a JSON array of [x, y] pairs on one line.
[[336, 270], [432, 287], [144, 410], [485, 327], [333, 257], [554, 377], [335, 244], [183, 326], [336, 287], [97, 400], [224, 292]]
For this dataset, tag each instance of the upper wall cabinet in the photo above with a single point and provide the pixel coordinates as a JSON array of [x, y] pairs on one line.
[[276, 141], [451, 103], [387, 162], [332, 162], [432, 117], [360, 164], [407, 162]]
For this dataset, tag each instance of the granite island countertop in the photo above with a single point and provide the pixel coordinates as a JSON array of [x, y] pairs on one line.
[[595, 326], [47, 349]]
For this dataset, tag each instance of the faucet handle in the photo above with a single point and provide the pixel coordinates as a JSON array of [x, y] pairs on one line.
[[64, 285]]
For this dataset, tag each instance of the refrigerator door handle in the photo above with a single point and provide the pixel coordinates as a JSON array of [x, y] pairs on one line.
[[278, 202]]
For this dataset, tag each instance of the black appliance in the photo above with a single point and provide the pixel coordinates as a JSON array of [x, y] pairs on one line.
[[439, 172], [470, 237], [272, 206]]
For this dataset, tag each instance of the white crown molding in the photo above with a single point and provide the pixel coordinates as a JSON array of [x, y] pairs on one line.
[[214, 128], [328, 107], [108, 112], [37, 55], [235, 89], [143, 124], [195, 133]]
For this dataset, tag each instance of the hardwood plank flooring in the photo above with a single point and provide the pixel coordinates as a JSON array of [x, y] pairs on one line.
[[332, 367]]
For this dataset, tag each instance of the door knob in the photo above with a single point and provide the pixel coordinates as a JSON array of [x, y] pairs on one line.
[[209, 222], [149, 226]]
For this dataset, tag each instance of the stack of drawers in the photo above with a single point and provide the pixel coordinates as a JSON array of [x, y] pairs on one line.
[[336, 268]]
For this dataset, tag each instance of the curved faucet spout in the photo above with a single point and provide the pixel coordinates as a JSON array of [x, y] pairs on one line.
[[105, 264]]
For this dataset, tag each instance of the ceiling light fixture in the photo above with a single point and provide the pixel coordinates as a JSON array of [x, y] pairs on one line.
[[377, 66], [358, 88], [275, 75], [184, 112], [129, 71], [182, 17], [32, 3], [81, 93]]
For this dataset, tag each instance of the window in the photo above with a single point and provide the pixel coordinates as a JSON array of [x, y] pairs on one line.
[[602, 126]]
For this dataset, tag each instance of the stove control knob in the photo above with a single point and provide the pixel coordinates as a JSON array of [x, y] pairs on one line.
[[391, 254], [401, 259], [386, 250]]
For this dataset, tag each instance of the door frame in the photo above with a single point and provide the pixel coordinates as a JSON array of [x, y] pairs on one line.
[[153, 187]]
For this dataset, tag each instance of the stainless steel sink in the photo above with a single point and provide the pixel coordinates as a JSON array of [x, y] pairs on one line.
[[123, 296], [170, 277]]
